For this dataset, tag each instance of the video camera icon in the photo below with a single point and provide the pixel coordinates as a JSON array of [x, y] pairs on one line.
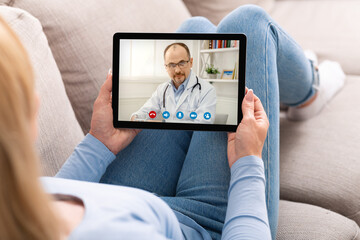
[[193, 115]]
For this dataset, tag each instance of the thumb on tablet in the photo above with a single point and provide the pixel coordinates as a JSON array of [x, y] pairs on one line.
[[248, 104], [106, 88]]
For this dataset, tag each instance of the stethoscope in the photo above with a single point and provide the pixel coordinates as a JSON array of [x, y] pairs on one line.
[[196, 84]]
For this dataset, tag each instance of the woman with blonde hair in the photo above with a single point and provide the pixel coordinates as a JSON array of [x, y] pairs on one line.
[[56, 208], [211, 184], [25, 210]]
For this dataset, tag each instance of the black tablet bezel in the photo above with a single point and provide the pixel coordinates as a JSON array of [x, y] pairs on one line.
[[177, 36]]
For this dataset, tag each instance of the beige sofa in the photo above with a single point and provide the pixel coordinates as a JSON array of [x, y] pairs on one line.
[[319, 162]]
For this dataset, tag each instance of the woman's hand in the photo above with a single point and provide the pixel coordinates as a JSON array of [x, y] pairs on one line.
[[251, 132], [115, 139]]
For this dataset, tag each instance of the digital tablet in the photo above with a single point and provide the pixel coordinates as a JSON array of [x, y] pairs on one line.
[[178, 81]]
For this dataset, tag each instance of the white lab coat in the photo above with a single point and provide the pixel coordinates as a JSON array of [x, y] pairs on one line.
[[196, 101]]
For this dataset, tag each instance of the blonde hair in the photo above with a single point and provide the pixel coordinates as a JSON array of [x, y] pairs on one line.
[[25, 209]]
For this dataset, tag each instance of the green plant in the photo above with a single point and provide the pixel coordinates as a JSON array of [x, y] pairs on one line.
[[212, 70]]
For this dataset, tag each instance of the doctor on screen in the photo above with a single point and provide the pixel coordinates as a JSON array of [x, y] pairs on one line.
[[185, 97]]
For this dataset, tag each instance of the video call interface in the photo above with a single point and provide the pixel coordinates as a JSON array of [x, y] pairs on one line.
[[181, 81]]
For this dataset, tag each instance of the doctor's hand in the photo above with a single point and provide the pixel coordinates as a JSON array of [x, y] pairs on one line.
[[102, 127], [251, 133]]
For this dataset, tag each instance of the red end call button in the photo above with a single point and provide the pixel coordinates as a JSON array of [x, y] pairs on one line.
[[152, 114]]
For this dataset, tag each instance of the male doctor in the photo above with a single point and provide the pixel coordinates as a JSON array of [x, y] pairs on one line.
[[185, 98]]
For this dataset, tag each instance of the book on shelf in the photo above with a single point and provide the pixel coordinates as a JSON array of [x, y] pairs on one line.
[[216, 44]]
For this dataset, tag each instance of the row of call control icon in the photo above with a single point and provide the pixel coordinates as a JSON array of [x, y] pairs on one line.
[[179, 115]]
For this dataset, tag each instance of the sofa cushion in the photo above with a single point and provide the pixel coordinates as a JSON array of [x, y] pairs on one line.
[[304, 221], [215, 10], [59, 131], [319, 158], [328, 27], [80, 36]]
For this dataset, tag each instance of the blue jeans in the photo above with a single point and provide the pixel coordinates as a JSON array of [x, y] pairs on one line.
[[189, 170]]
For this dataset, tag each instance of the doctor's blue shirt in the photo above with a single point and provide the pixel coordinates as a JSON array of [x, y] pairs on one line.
[[181, 88], [119, 212]]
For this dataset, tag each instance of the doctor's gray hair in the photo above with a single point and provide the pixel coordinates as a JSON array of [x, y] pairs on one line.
[[180, 44]]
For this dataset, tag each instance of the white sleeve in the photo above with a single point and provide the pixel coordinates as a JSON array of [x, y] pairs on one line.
[[152, 104]]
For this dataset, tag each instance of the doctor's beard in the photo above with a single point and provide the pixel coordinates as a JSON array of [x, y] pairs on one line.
[[179, 78]]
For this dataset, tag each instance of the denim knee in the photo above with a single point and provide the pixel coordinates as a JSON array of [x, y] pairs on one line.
[[197, 20], [252, 10], [197, 24], [244, 19]]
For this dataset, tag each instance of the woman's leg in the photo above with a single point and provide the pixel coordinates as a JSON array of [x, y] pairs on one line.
[[275, 67], [152, 161], [262, 76], [271, 50], [197, 25], [203, 184]]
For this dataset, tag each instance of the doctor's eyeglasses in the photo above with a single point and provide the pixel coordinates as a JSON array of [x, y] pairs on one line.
[[181, 64]]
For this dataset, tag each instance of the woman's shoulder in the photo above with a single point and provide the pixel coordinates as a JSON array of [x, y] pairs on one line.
[[100, 191], [117, 210]]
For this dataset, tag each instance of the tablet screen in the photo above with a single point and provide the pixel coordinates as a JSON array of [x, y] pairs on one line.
[[178, 81]]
